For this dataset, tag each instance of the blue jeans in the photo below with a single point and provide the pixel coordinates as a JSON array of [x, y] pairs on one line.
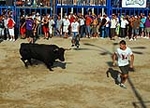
[[88, 30], [135, 31], [74, 34], [82, 30], [107, 31], [103, 32]]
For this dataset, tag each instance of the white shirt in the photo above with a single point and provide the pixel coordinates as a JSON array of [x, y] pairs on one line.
[[74, 26], [5, 22], [51, 23], [82, 21], [123, 56], [66, 22], [124, 22], [113, 23], [38, 19], [108, 20]]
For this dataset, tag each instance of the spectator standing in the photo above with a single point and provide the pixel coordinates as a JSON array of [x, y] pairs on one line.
[[94, 26], [38, 24], [142, 25], [82, 26], [71, 18], [129, 31], [50, 26], [135, 28], [45, 27], [113, 25], [118, 17], [102, 27], [1, 26], [107, 28], [99, 19], [59, 26], [22, 28], [66, 24], [147, 27], [6, 32], [123, 54], [123, 26], [35, 29], [11, 26], [88, 22], [29, 24]]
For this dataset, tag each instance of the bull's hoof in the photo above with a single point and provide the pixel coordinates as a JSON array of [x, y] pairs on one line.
[[31, 64], [51, 70], [26, 66]]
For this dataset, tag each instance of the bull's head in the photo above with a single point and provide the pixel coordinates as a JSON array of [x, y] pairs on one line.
[[60, 52]]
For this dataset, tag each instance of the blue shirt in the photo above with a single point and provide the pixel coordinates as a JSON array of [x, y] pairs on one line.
[[142, 23], [29, 24]]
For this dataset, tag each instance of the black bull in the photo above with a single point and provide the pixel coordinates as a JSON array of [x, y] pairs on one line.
[[45, 53]]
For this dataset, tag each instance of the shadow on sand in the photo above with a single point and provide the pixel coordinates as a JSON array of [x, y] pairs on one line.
[[114, 74], [56, 63]]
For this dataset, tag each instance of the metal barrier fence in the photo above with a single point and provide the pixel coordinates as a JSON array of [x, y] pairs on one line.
[[66, 6], [103, 6]]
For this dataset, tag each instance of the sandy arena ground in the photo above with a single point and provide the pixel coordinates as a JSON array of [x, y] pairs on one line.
[[79, 82]]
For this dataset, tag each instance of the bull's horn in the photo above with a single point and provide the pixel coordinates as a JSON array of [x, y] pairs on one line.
[[67, 48]]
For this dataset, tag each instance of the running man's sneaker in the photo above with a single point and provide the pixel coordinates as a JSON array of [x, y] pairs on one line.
[[119, 78], [131, 39], [135, 39], [122, 85], [11, 39]]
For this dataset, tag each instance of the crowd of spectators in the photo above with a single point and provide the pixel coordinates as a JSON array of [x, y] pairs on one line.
[[7, 25], [90, 26], [47, 3], [82, 2], [41, 3], [36, 3]]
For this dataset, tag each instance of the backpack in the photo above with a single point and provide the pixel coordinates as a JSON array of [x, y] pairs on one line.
[[10, 23]]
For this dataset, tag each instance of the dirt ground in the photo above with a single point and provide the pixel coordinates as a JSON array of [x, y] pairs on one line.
[[79, 82]]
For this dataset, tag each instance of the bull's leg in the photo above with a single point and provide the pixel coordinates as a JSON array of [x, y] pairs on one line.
[[29, 60], [26, 65], [49, 66]]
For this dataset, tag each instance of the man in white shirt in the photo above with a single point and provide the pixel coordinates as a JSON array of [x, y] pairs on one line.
[[123, 25], [113, 24], [122, 55], [74, 30]]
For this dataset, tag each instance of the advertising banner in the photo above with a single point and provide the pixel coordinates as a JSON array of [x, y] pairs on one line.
[[134, 3]]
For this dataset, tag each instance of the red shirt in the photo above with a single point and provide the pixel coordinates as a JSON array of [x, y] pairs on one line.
[[88, 20]]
